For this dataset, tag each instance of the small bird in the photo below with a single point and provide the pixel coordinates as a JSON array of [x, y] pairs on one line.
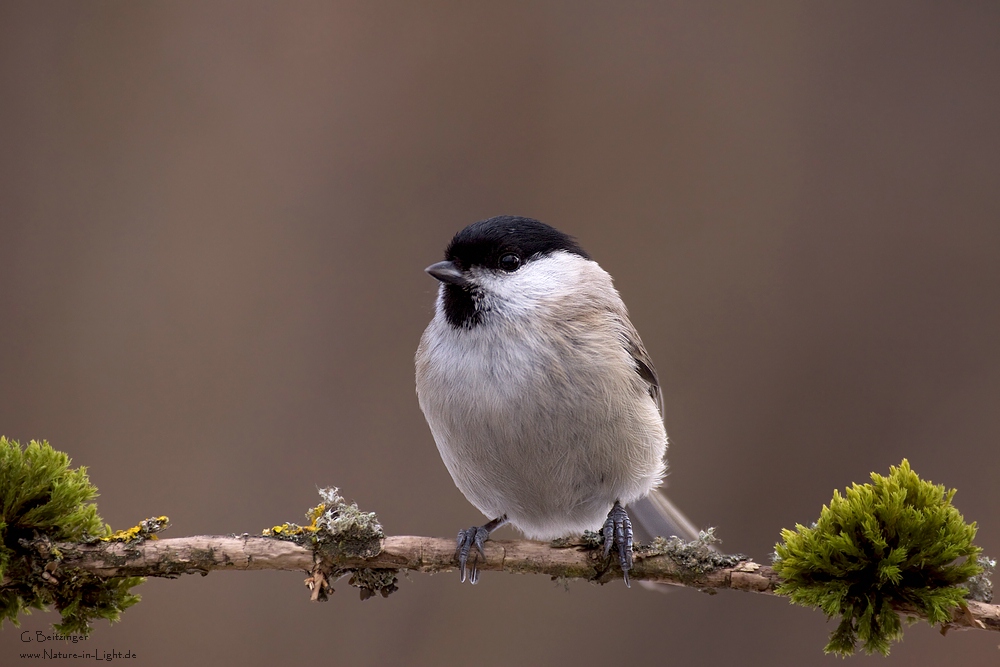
[[542, 400]]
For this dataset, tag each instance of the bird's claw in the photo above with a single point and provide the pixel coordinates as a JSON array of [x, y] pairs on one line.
[[471, 537], [618, 532]]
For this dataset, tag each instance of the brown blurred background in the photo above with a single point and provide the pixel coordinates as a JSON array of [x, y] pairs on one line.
[[215, 219]]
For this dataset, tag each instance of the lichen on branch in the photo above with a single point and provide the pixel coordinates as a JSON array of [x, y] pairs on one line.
[[896, 546], [338, 531]]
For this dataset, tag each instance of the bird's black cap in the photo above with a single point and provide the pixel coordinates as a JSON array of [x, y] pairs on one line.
[[483, 243]]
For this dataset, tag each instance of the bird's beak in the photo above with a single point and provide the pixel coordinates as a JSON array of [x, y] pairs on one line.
[[447, 272]]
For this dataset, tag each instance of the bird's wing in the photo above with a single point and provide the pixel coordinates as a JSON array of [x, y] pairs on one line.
[[643, 364]]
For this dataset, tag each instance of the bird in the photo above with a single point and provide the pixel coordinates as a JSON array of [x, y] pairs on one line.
[[542, 400]]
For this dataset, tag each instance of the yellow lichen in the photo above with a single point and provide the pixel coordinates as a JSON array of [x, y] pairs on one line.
[[288, 529], [315, 514], [145, 529]]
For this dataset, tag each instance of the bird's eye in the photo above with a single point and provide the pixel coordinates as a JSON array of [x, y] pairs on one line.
[[510, 262]]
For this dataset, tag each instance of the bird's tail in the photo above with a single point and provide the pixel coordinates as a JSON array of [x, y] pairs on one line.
[[655, 516]]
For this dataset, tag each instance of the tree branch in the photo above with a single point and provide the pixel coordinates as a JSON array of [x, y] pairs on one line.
[[564, 559]]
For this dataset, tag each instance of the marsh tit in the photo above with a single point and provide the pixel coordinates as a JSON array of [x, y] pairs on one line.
[[542, 400]]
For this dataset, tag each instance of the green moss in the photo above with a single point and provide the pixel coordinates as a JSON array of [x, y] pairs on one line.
[[896, 541], [43, 500]]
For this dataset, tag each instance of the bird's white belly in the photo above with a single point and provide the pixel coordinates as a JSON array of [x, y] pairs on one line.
[[544, 441]]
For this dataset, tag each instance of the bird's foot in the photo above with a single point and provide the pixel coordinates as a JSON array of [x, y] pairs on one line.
[[474, 537], [618, 532], [471, 537]]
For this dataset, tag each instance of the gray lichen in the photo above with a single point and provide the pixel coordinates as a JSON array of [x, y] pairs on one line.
[[698, 556], [980, 586], [344, 530], [339, 531], [371, 581]]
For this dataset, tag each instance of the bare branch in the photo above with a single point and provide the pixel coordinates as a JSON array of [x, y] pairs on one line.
[[576, 560]]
